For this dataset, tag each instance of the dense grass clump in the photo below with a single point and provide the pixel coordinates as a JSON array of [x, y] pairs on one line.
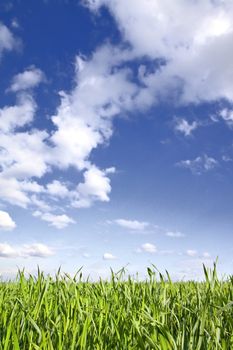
[[68, 313]]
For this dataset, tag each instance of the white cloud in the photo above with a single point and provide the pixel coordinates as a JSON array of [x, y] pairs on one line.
[[109, 256], [36, 250], [82, 122], [84, 118], [199, 165], [25, 251], [132, 224], [18, 152], [12, 117], [175, 234], [6, 251], [148, 248], [227, 115], [7, 40], [6, 222], [192, 63], [96, 187], [191, 252], [29, 79], [57, 189], [57, 221], [195, 50], [185, 127]]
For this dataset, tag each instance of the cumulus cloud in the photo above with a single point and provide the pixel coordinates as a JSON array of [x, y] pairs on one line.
[[96, 187], [25, 251], [16, 116], [184, 127], [84, 118], [82, 122], [28, 79], [57, 189], [148, 248], [132, 224], [6, 222], [109, 256], [192, 55], [199, 165], [57, 221]]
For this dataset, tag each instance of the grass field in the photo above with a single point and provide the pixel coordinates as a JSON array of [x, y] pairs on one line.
[[68, 313]]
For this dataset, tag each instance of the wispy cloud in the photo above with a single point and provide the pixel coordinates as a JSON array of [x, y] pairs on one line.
[[199, 165], [226, 114], [184, 127], [175, 234], [132, 224]]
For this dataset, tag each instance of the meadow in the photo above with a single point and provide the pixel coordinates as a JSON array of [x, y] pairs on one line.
[[41, 312]]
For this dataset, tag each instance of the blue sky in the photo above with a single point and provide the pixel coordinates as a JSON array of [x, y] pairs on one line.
[[116, 124]]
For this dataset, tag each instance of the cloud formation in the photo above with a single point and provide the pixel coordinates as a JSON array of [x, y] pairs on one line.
[[25, 251], [79, 127], [132, 224], [6, 222], [184, 127], [147, 248], [57, 221], [191, 55], [7, 40], [188, 59], [96, 186], [199, 165], [29, 79], [109, 256]]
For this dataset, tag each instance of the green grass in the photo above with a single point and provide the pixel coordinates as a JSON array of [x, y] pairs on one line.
[[68, 313]]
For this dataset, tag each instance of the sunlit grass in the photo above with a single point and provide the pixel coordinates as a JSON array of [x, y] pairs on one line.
[[68, 313]]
